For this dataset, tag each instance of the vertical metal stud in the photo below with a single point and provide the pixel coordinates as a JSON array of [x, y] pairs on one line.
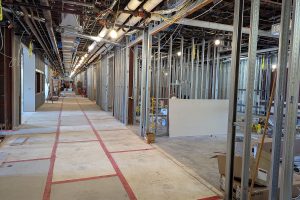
[[236, 51], [254, 21], [202, 70], [279, 96], [181, 68], [292, 106]]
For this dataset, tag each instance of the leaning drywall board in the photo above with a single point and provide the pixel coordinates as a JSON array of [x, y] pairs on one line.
[[192, 117]]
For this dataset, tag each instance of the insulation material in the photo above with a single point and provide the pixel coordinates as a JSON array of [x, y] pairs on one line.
[[198, 117]]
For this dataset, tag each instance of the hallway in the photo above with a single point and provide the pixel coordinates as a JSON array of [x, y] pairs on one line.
[[86, 154]]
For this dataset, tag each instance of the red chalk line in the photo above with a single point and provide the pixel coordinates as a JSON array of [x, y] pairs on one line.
[[47, 190], [210, 198], [124, 182], [83, 179]]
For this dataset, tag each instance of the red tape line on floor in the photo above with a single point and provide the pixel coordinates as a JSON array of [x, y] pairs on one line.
[[83, 179], [211, 198], [125, 151], [124, 182], [47, 190], [26, 160]]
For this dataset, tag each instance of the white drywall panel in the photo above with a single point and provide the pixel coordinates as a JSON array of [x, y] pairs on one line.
[[192, 117], [29, 81]]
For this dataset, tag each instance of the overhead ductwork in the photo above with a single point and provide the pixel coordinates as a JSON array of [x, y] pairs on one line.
[[49, 26], [69, 41]]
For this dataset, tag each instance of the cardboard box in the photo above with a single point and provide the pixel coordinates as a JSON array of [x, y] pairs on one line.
[[258, 193], [262, 175]]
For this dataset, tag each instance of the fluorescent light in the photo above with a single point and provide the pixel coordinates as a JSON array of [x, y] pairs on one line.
[[217, 42], [113, 34], [179, 53], [91, 47]]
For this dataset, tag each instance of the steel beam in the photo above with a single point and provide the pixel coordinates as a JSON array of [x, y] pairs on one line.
[[254, 21], [221, 27], [279, 96], [197, 5], [292, 106], [235, 65]]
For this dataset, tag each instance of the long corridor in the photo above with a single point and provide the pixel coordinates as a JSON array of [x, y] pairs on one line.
[[84, 153]]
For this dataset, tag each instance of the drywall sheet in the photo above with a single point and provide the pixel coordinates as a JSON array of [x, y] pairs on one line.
[[192, 117]]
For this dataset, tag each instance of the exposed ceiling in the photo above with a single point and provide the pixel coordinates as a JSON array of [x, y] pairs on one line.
[[73, 22]]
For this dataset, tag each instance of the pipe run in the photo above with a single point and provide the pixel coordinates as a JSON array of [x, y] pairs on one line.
[[49, 26]]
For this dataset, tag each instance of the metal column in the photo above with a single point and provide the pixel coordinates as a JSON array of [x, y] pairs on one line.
[[254, 20], [145, 48], [292, 106], [235, 64]]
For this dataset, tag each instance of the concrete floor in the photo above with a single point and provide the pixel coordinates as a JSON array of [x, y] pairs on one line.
[[73, 150], [196, 153]]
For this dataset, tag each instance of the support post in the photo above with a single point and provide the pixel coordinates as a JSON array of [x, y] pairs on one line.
[[145, 47], [254, 21], [292, 106], [235, 65]]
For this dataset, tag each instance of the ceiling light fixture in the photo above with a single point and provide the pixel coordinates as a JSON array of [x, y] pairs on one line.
[[113, 34], [217, 42], [91, 47]]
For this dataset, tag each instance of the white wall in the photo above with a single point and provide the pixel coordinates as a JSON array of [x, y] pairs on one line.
[[192, 117], [28, 82]]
